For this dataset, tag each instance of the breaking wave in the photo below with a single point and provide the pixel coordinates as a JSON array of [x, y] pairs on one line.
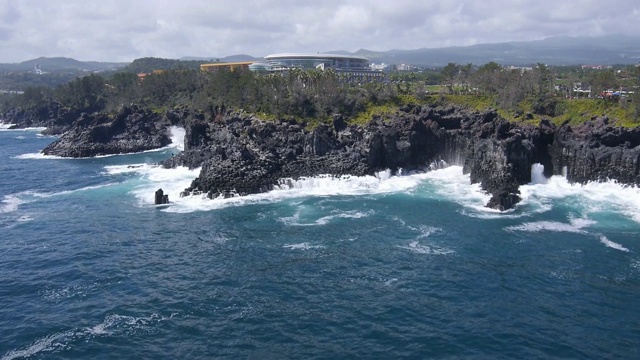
[[113, 324], [613, 245]]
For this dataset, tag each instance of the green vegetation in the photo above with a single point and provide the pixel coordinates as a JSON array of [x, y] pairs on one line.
[[313, 96], [149, 64]]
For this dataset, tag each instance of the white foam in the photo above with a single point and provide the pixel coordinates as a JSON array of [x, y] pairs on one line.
[[613, 245], [295, 219], [177, 137], [417, 248], [38, 156], [110, 325], [593, 196], [574, 226], [57, 341], [66, 192], [171, 181], [537, 174], [426, 231], [11, 203], [323, 185], [25, 218], [302, 246], [454, 185], [5, 127]]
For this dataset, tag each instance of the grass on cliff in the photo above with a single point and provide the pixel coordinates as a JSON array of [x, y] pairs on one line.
[[573, 111]]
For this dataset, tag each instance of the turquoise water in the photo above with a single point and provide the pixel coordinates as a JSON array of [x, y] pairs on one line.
[[376, 267]]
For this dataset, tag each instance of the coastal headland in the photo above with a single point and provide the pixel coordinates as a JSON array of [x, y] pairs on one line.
[[239, 153]]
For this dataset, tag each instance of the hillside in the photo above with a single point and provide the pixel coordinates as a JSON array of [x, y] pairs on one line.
[[48, 64], [606, 50]]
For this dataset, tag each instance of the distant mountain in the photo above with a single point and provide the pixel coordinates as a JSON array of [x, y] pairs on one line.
[[605, 50], [61, 63], [564, 50]]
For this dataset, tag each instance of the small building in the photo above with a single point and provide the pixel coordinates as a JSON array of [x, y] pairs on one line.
[[230, 66]]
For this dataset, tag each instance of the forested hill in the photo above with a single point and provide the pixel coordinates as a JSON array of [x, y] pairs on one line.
[[51, 64]]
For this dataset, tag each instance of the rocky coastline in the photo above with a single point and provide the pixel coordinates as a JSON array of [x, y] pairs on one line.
[[241, 154]]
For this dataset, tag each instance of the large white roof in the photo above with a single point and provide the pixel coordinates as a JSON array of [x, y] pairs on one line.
[[313, 56]]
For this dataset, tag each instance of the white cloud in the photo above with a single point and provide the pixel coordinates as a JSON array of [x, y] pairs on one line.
[[122, 30]]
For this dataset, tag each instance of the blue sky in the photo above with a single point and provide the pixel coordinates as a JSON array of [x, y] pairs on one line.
[[123, 30]]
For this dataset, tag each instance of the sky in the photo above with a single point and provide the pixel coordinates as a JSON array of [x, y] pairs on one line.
[[124, 30]]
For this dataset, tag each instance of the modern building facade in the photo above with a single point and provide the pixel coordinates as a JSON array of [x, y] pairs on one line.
[[355, 68], [318, 61], [352, 68]]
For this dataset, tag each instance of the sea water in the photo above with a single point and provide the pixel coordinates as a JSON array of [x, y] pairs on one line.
[[383, 266]]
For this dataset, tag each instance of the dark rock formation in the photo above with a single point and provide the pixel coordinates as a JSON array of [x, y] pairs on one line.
[[131, 130], [240, 154], [56, 118], [596, 151], [161, 198]]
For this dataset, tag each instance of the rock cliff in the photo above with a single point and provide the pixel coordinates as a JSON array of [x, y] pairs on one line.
[[131, 130], [240, 154]]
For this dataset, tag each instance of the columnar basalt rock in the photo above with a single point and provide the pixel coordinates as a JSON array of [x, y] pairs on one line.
[[596, 151], [243, 154]]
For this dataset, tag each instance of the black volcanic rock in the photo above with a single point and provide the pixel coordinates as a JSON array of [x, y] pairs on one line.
[[241, 154], [597, 152], [130, 130]]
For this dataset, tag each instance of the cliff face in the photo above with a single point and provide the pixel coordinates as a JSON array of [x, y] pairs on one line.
[[596, 151], [131, 130], [56, 118], [242, 154]]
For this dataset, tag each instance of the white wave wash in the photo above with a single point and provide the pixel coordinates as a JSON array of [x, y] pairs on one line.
[[112, 324], [452, 184], [11, 203], [613, 245], [594, 196], [574, 226], [295, 219], [302, 246], [323, 185], [6, 127], [171, 181], [418, 248], [177, 137], [67, 192]]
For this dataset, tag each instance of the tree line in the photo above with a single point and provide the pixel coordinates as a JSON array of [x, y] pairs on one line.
[[320, 94]]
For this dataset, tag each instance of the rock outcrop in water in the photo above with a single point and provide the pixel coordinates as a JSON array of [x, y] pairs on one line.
[[131, 130], [242, 154]]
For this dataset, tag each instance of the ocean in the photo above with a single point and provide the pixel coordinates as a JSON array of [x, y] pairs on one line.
[[409, 266]]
